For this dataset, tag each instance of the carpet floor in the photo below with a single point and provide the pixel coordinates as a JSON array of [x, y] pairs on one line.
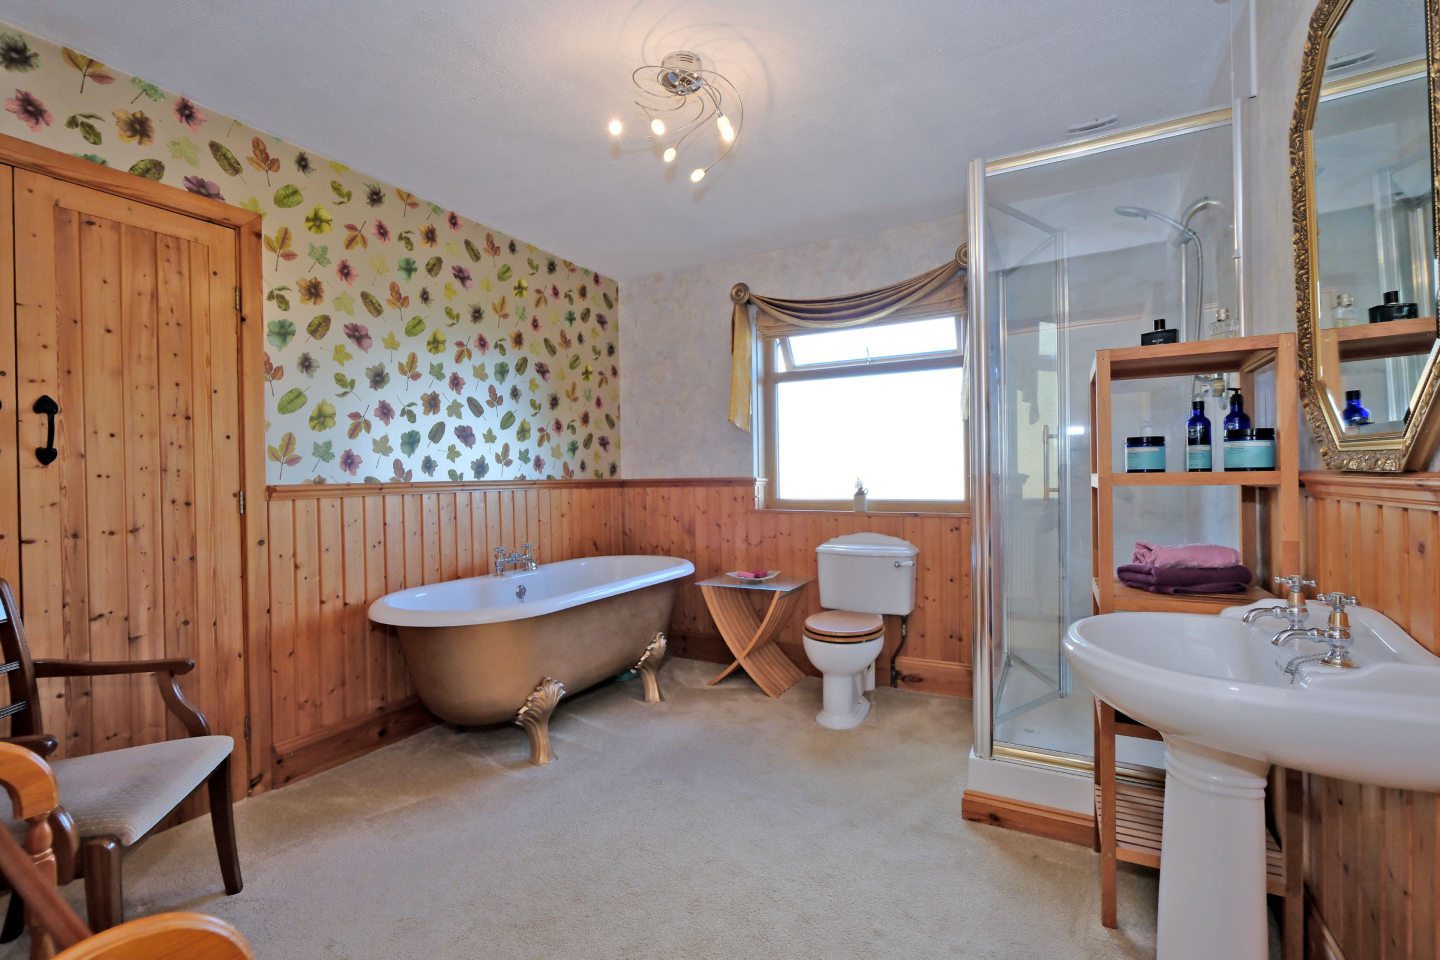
[[719, 824]]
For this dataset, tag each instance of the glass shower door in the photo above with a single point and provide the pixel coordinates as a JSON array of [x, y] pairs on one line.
[[1027, 282]]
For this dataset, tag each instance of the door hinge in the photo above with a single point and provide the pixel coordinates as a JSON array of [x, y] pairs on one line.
[[242, 503], [247, 726], [237, 298]]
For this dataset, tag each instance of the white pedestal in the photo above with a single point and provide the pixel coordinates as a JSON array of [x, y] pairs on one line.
[[1212, 874]]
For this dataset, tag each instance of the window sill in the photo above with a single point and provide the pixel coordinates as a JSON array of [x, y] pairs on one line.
[[901, 510]]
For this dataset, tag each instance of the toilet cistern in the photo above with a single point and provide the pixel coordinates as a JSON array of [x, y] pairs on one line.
[[863, 576]]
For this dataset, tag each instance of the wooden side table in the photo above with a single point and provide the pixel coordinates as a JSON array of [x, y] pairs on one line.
[[752, 638]]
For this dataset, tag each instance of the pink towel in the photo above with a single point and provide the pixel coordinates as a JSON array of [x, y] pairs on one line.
[[1202, 555]]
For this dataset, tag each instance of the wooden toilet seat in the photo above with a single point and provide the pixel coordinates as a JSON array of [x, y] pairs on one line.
[[843, 626]]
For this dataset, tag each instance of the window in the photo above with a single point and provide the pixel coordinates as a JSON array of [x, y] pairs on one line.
[[880, 403]]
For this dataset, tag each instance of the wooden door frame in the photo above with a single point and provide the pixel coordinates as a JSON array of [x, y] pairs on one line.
[[249, 236]]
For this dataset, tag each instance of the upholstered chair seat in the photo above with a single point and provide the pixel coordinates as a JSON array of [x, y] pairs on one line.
[[125, 793]]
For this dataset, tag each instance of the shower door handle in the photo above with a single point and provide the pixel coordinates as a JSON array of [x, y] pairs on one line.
[[1046, 436], [47, 406]]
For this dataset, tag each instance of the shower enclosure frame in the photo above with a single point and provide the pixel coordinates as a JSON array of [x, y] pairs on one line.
[[1059, 685], [984, 364]]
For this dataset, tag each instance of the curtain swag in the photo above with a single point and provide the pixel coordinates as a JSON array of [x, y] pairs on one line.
[[753, 315]]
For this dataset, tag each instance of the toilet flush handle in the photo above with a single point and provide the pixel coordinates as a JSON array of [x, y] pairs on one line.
[[904, 563]]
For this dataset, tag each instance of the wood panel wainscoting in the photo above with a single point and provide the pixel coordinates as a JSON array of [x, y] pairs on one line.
[[338, 686], [717, 525], [1372, 863]]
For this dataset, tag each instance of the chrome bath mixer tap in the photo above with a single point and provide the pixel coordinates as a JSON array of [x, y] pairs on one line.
[[505, 559]]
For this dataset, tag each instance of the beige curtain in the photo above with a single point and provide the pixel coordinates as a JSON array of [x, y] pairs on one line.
[[753, 315]]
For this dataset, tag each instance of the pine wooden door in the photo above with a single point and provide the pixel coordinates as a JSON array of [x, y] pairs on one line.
[[130, 537]]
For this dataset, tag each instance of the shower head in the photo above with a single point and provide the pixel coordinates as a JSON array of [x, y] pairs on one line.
[[1145, 213]]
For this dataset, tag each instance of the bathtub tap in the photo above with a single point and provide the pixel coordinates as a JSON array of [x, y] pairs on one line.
[[503, 560]]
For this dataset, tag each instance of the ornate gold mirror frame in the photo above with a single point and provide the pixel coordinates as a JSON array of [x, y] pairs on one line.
[[1381, 453]]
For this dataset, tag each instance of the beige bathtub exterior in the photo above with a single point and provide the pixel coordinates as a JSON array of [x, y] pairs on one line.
[[483, 673]]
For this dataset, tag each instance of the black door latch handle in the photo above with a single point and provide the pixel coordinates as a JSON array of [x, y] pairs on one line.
[[47, 405]]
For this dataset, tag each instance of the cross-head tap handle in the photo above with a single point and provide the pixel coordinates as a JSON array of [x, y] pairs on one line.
[[1339, 619], [1295, 583], [1338, 601], [499, 551]]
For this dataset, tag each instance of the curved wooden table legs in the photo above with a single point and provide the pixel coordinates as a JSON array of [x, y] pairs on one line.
[[752, 638]]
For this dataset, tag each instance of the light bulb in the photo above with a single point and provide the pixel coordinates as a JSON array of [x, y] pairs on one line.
[[657, 127], [616, 127], [697, 174], [669, 154], [727, 129]]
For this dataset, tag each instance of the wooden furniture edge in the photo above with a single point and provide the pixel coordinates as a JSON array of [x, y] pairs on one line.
[[86, 173], [340, 743], [1320, 942], [1398, 489], [1052, 823]]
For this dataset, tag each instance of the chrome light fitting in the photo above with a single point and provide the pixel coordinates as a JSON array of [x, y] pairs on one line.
[[681, 101]]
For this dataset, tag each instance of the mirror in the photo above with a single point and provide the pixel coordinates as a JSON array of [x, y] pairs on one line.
[[1363, 178]]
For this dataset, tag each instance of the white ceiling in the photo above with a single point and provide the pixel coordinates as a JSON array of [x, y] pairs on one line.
[[860, 114]]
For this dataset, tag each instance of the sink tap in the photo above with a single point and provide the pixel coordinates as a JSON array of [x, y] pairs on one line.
[[1293, 611], [1336, 637]]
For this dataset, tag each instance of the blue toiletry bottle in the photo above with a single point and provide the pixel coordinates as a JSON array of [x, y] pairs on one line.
[[1198, 453], [1354, 414], [1237, 418]]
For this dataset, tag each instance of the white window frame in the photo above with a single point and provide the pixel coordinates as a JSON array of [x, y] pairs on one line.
[[771, 376]]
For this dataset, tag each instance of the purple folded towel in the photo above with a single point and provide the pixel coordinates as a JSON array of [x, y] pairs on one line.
[[1185, 580], [1204, 555]]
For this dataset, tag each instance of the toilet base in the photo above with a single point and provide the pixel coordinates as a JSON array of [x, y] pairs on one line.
[[842, 722], [843, 704]]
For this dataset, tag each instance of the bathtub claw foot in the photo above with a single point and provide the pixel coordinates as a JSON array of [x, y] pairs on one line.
[[649, 668], [534, 716]]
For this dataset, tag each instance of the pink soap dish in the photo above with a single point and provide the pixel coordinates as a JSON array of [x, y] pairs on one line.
[[754, 576]]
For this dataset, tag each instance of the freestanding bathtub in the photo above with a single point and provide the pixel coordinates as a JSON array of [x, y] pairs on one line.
[[508, 647]]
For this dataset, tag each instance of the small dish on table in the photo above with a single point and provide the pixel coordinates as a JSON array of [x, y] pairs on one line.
[[753, 576]]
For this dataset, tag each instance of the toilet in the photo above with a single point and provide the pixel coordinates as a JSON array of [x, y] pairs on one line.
[[862, 577]]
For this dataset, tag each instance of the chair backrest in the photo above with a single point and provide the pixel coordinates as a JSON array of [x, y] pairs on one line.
[[23, 710]]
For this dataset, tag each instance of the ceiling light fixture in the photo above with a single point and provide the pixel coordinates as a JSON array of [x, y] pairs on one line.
[[680, 98]]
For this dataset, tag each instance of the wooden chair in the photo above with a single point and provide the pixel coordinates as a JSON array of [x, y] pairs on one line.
[[1129, 818], [34, 797], [113, 800]]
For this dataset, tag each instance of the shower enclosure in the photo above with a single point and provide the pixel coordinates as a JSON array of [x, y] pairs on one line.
[[1072, 250]]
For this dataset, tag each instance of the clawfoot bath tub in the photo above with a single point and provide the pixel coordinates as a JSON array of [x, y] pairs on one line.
[[508, 647]]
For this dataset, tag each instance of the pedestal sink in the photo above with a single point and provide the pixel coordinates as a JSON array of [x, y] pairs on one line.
[[1217, 690]]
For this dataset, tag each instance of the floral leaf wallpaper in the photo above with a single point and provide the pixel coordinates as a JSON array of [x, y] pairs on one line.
[[404, 342]]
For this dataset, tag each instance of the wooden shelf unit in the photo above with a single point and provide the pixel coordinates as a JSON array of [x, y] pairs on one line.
[[1271, 496], [1139, 816], [1133, 598], [1129, 815], [1213, 478]]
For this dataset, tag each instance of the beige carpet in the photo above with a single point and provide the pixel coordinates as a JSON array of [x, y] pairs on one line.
[[719, 824]]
